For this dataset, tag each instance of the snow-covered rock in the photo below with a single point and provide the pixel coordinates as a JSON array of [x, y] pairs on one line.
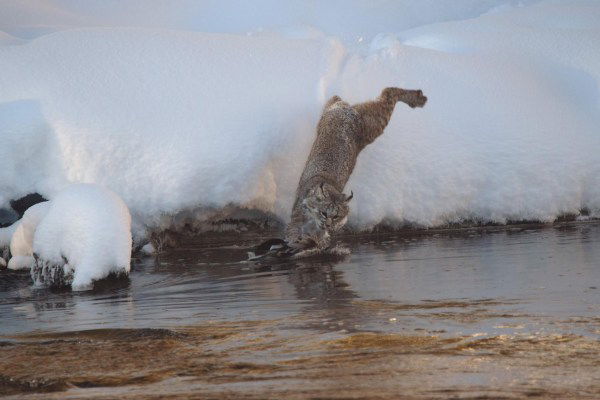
[[189, 106], [82, 235], [86, 232]]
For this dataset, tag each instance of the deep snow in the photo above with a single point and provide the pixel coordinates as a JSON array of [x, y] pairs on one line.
[[198, 104]]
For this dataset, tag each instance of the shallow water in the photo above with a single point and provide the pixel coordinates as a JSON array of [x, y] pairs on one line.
[[467, 311], [540, 277]]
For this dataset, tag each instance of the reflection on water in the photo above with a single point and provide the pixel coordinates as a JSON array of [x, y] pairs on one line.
[[529, 280], [512, 311]]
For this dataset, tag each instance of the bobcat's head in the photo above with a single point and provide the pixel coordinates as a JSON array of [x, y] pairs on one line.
[[327, 207]]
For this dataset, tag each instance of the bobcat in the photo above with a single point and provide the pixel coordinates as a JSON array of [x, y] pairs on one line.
[[321, 207]]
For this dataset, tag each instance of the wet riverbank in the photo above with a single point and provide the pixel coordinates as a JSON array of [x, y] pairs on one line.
[[507, 313]]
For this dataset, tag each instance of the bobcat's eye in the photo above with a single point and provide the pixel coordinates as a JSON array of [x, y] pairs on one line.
[[323, 214]]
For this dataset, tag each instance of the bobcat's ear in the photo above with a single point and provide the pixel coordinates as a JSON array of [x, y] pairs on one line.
[[320, 192], [350, 197], [331, 102]]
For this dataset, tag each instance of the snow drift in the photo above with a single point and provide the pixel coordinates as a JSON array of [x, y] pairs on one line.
[[173, 118]]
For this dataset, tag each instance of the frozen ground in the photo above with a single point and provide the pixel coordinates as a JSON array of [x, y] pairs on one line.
[[196, 105]]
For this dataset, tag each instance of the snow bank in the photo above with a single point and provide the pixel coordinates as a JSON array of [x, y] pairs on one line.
[[86, 232], [173, 118], [510, 131], [353, 21], [169, 120]]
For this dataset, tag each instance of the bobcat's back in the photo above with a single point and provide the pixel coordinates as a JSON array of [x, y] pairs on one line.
[[335, 150]]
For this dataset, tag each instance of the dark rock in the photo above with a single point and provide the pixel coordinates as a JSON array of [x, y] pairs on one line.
[[21, 205]]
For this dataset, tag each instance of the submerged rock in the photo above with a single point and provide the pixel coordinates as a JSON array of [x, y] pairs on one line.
[[48, 274], [24, 203]]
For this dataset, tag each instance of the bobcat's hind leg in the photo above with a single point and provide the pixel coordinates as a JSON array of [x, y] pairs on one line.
[[414, 98], [376, 114]]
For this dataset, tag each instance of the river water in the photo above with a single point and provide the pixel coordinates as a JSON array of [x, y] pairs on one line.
[[509, 312]]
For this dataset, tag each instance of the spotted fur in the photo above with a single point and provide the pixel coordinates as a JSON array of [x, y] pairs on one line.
[[321, 207]]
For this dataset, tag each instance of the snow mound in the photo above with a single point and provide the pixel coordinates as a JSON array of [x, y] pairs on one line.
[[86, 234], [6, 234], [21, 243], [181, 121]]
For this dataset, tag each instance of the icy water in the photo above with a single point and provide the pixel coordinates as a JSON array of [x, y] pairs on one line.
[[501, 313]]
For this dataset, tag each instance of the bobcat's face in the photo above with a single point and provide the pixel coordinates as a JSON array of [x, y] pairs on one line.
[[327, 208]]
